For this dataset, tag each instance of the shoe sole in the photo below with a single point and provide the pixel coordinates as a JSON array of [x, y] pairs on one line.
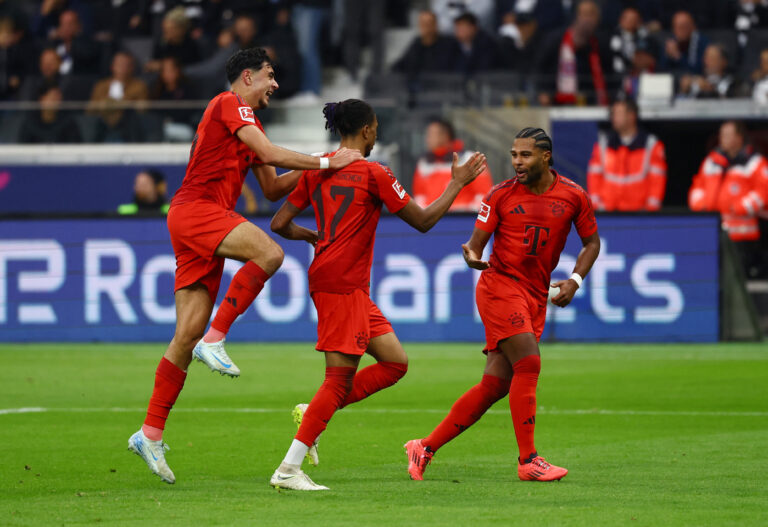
[[214, 370], [545, 480]]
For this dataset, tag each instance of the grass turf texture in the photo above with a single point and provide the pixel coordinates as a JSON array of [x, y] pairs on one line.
[[652, 435]]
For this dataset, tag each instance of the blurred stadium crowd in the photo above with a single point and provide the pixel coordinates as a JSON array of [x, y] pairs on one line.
[[123, 55]]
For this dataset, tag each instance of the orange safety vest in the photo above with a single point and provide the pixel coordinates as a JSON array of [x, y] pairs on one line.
[[627, 176], [433, 173], [737, 188]]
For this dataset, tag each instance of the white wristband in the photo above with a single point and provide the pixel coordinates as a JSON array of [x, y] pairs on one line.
[[576, 277], [324, 163]]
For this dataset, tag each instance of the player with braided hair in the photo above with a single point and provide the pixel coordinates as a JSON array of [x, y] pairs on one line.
[[529, 217], [205, 230], [347, 205]]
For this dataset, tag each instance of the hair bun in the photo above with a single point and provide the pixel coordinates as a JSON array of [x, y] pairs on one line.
[[329, 111]]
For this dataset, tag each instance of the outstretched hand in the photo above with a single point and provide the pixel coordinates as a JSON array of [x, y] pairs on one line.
[[344, 156], [473, 259], [466, 173]]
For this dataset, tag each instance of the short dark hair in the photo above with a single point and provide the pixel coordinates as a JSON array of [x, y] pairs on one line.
[[245, 59], [740, 127], [467, 17], [445, 125], [346, 118], [630, 104], [540, 137]]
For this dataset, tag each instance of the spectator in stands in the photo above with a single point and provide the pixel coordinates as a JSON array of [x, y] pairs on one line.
[[428, 52], [47, 17], [282, 49], [433, 170], [625, 38], [707, 15], [49, 76], [760, 79], [14, 57], [716, 81], [49, 124], [175, 41], [548, 14], [575, 66], [643, 61], [172, 86], [684, 52], [448, 11], [520, 41], [363, 26], [245, 32], [149, 194], [477, 50], [309, 17], [628, 167], [750, 14], [733, 180], [79, 55], [109, 98]]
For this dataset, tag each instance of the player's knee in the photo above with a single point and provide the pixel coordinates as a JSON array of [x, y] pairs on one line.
[[272, 258], [497, 387], [398, 369], [188, 337]]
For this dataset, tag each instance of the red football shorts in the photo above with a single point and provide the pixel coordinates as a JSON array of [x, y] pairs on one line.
[[507, 308], [346, 322], [197, 228]]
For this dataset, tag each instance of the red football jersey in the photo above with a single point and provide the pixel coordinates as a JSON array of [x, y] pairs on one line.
[[530, 230], [347, 207], [218, 160]]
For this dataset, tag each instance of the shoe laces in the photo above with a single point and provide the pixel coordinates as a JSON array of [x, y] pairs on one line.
[[219, 349], [539, 461]]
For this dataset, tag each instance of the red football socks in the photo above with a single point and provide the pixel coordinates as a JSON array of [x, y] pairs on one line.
[[374, 378], [467, 410], [522, 404], [246, 284], [169, 380], [333, 391]]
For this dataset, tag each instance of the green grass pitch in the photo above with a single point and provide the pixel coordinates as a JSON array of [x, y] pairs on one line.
[[652, 435]]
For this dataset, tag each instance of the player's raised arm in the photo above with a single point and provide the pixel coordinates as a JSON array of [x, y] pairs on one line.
[[587, 256], [473, 249], [277, 187], [461, 175], [271, 154]]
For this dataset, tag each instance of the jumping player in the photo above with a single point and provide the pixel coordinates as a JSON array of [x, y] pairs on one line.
[[529, 217], [347, 206], [205, 230]]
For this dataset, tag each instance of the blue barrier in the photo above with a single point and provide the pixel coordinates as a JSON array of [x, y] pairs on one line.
[[657, 280]]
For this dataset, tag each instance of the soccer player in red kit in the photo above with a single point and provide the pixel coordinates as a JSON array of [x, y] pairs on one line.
[[347, 205], [205, 230], [529, 217]]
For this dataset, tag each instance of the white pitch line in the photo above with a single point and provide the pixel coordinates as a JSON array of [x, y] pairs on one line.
[[541, 410]]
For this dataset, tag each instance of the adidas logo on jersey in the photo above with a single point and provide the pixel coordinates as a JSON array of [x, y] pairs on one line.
[[517, 210]]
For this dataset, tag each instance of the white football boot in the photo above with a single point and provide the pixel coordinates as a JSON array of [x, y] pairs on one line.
[[213, 355], [298, 414], [298, 481], [153, 453]]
